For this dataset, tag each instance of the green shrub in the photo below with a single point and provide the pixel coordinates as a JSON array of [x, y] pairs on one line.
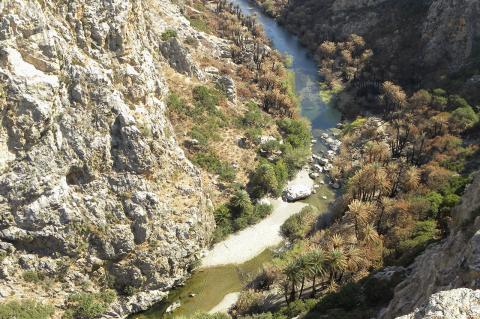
[[295, 158], [298, 307], [451, 200], [297, 226], [33, 276], [168, 34], [424, 233], [457, 101], [199, 24], [464, 117], [249, 302], [191, 41], [89, 305], [264, 181], [263, 210], [206, 98], [297, 133], [213, 164], [439, 92], [176, 104], [358, 122], [253, 117], [435, 200], [25, 309]]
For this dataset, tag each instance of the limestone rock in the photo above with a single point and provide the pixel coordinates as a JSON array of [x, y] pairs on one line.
[[179, 58], [461, 303], [300, 187], [87, 154], [227, 85]]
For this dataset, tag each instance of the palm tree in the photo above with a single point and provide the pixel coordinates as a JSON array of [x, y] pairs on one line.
[[337, 264], [294, 276], [316, 267], [411, 178], [361, 213], [336, 241]]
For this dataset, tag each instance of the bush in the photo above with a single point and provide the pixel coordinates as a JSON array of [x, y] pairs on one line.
[[199, 24], [296, 132], [264, 181], [33, 276], [212, 163], [297, 226], [295, 158], [25, 309], [249, 302], [253, 117], [89, 305], [262, 210], [206, 98], [464, 117], [168, 34], [298, 307], [176, 104], [435, 200], [422, 235], [191, 41], [451, 200]]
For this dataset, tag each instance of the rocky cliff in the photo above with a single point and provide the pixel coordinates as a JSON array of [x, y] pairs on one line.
[[411, 39], [444, 281], [94, 190]]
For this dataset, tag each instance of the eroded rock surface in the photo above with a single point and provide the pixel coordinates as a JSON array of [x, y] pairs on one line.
[[94, 190]]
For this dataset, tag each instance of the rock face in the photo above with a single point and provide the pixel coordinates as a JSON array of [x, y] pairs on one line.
[[179, 58], [450, 264], [92, 181], [410, 38], [461, 303]]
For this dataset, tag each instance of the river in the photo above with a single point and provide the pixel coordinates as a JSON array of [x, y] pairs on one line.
[[209, 286]]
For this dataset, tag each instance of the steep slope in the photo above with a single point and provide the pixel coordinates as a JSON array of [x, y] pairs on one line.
[[94, 190], [413, 41], [452, 263]]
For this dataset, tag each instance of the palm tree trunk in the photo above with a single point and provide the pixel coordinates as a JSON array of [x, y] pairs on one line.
[[301, 288], [292, 292], [314, 291]]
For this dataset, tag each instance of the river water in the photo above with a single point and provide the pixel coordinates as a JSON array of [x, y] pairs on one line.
[[210, 285]]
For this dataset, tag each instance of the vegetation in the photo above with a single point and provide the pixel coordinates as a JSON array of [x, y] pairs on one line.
[[25, 309], [237, 214], [89, 305], [213, 164], [298, 226], [33, 276], [168, 34]]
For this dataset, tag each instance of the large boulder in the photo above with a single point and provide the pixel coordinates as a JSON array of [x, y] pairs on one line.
[[300, 187]]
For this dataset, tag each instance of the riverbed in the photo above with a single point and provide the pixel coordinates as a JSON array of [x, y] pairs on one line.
[[207, 287]]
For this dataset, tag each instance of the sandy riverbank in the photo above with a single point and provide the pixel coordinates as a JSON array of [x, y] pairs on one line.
[[248, 243]]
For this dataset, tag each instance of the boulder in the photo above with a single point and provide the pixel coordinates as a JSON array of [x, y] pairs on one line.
[[227, 85], [297, 192]]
